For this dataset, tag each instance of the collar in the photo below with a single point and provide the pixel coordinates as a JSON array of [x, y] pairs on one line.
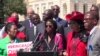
[[93, 29], [56, 19]]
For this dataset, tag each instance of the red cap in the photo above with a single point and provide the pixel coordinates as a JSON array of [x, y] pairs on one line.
[[12, 20], [68, 16], [75, 15]]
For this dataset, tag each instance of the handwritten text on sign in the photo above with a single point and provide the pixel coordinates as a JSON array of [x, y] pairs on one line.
[[14, 47]]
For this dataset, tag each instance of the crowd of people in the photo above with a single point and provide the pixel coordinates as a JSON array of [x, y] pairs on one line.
[[78, 35]]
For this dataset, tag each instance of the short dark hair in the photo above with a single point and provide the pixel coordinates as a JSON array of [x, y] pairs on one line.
[[93, 15], [53, 22], [8, 26], [96, 7], [50, 12], [56, 6]]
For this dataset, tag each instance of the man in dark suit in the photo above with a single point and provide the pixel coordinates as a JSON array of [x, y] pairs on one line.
[[60, 22], [31, 27]]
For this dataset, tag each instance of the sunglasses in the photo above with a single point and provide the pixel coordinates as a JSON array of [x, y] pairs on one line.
[[55, 9], [50, 26]]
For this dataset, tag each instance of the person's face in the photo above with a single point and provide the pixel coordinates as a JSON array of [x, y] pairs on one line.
[[88, 22], [49, 27], [30, 13], [93, 9], [15, 15], [35, 19], [46, 15], [56, 10], [13, 30], [74, 26]]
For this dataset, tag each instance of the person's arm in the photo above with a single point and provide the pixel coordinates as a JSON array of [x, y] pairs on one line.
[[96, 49], [58, 41]]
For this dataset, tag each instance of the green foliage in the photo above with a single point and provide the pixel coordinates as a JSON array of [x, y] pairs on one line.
[[14, 5]]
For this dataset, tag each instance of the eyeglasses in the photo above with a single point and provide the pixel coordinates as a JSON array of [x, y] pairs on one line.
[[55, 9], [50, 26]]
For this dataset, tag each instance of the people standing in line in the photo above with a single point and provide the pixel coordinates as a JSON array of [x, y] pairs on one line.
[[76, 39], [90, 23]]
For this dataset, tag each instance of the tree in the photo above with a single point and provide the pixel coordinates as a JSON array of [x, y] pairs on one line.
[[1, 12], [14, 6]]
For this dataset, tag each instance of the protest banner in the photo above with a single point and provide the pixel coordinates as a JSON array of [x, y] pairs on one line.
[[13, 48]]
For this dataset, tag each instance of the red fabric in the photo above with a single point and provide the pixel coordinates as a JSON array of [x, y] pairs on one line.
[[12, 20], [68, 16], [75, 15], [80, 48], [21, 35], [59, 41]]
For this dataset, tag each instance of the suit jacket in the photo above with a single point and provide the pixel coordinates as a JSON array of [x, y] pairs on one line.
[[3, 45], [41, 27], [29, 30], [93, 46], [61, 22]]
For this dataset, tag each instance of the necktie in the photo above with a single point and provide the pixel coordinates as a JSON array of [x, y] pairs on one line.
[[35, 30]]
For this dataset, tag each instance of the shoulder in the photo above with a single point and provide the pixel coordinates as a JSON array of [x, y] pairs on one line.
[[69, 36], [5, 40], [41, 23], [70, 33], [62, 20], [26, 21], [58, 34]]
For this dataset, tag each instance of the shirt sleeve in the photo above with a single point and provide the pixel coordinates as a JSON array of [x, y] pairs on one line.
[[2, 31]]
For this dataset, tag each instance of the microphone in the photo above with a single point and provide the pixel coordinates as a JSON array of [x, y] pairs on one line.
[[47, 45], [36, 44], [37, 37]]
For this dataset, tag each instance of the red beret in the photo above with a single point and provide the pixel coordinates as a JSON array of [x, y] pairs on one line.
[[68, 16], [75, 15]]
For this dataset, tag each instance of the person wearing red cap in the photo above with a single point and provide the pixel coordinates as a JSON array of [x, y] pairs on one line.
[[76, 40], [19, 35]]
